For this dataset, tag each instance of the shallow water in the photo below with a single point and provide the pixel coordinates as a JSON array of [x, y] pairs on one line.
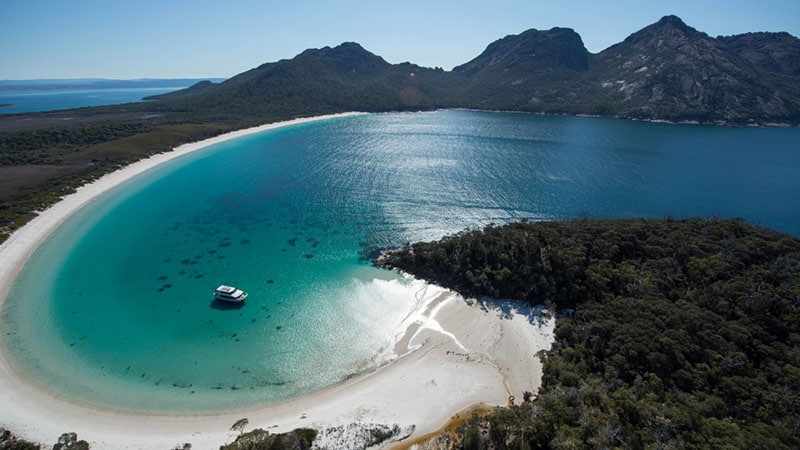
[[115, 308]]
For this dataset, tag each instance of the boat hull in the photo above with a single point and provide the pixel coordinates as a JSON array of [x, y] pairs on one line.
[[229, 294], [229, 299]]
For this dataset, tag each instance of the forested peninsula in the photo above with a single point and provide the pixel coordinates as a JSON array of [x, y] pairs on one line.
[[671, 333]]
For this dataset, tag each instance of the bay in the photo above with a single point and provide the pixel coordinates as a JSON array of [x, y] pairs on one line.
[[115, 308], [37, 100]]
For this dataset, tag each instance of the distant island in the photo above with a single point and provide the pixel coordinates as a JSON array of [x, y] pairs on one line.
[[95, 83], [7, 105]]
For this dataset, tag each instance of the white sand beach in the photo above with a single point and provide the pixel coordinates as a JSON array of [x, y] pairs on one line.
[[452, 354]]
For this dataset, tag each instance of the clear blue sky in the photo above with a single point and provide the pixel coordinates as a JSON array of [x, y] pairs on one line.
[[220, 38]]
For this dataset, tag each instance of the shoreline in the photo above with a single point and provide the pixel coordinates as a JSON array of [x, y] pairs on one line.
[[715, 123], [452, 355]]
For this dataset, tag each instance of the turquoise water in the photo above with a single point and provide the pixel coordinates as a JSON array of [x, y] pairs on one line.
[[115, 308], [54, 99]]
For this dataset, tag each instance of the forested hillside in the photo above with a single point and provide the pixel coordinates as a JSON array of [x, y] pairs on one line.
[[676, 334], [318, 81]]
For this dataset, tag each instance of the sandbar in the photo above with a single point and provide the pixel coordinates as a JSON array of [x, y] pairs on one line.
[[452, 353]]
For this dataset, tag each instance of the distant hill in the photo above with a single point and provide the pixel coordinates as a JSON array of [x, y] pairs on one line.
[[671, 71], [317, 81], [541, 71], [666, 71], [197, 88]]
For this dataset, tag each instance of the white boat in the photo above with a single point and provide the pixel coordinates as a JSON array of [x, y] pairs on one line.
[[229, 294]]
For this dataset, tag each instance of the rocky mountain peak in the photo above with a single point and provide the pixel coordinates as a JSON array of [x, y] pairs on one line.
[[775, 52], [532, 50], [670, 32]]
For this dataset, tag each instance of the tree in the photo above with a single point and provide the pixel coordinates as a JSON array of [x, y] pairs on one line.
[[239, 425]]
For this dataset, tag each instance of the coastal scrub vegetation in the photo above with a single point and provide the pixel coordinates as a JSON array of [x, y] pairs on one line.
[[239, 425], [40, 166], [258, 439], [671, 334], [8, 441]]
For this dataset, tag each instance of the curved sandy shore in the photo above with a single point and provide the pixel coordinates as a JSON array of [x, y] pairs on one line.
[[451, 354]]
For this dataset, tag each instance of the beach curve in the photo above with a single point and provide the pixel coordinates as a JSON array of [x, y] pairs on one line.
[[452, 354]]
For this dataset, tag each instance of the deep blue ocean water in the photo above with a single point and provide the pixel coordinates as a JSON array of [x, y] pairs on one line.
[[115, 308], [55, 99]]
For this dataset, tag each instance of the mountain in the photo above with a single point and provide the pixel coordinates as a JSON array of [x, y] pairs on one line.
[[318, 81], [666, 71], [671, 71], [533, 51], [533, 71], [772, 52]]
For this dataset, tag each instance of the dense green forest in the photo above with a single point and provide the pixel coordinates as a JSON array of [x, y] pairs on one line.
[[675, 334]]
